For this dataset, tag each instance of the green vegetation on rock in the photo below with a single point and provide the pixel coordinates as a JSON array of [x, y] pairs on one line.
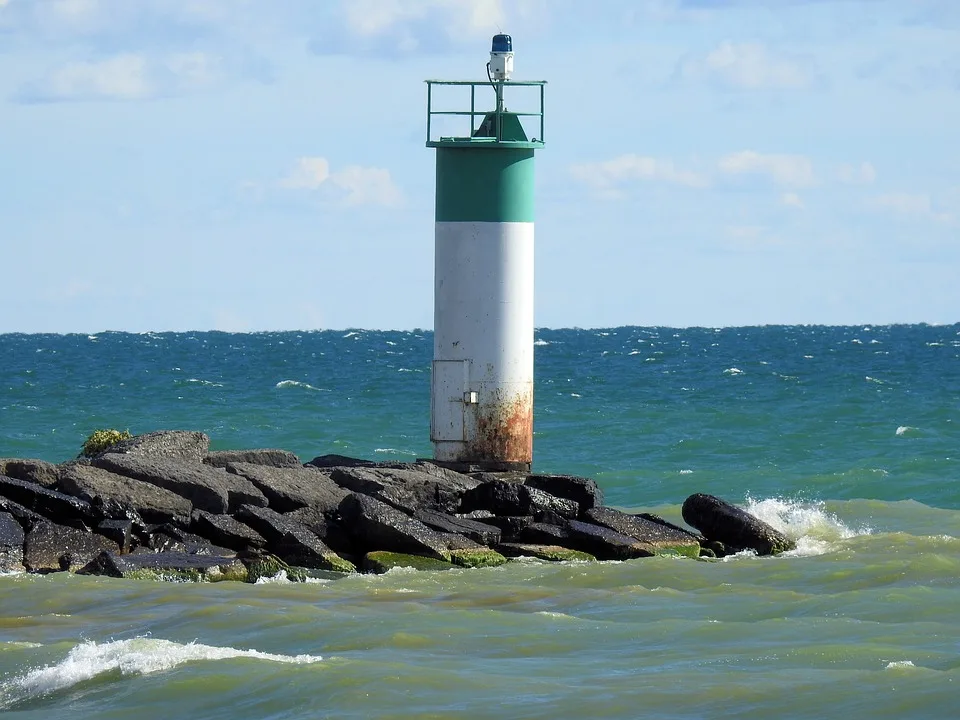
[[480, 557], [100, 440], [381, 561], [561, 554], [268, 566]]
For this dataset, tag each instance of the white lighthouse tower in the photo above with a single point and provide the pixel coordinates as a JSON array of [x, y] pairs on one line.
[[482, 381]]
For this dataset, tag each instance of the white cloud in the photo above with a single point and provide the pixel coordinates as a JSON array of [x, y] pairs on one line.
[[748, 66], [122, 77], [457, 18], [787, 170], [864, 174], [607, 175], [792, 200], [309, 173], [127, 76], [358, 185], [916, 205]]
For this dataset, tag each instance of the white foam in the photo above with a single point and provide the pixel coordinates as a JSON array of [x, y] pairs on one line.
[[814, 530], [733, 371], [904, 429], [540, 343], [140, 656], [395, 451], [297, 383], [899, 664]]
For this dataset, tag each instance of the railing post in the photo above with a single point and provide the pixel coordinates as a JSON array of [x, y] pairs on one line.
[[429, 95]]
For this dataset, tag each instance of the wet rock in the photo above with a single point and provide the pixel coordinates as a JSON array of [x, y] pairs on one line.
[[291, 541], [267, 457], [39, 472], [381, 561], [583, 491], [544, 534], [170, 566], [53, 505], [378, 526], [183, 445], [332, 461], [154, 504], [49, 547], [719, 520], [11, 543], [553, 553], [477, 557], [226, 531], [511, 526], [289, 488], [207, 488], [479, 532], [24, 516], [174, 539], [604, 543], [407, 490], [119, 532], [659, 537], [504, 497], [325, 526]]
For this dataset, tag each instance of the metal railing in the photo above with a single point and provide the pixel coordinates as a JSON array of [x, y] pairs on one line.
[[498, 88]]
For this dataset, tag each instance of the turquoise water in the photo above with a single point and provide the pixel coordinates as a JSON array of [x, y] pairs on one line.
[[846, 438]]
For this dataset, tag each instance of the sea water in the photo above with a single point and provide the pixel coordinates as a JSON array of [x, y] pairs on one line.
[[845, 438]]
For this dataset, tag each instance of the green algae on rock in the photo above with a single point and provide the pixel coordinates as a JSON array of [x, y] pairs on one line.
[[475, 558], [100, 440], [380, 561]]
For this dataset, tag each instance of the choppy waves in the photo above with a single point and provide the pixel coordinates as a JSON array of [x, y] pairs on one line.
[[139, 656]]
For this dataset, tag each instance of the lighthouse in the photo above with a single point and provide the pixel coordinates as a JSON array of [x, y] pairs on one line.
[[482, 376]]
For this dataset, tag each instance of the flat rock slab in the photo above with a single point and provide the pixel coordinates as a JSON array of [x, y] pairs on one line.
[[604, 543], [56, 506], [381, 561], [11, 543], [269, 457], [408, 490], [553, 553], [659, 537], [49, 547], [292, 542], [24, 516], [226, 531], [167, 566], [583, 491], [378, 526], [544, 534], [184, 445], [39, 472], [154, 504], [475, 530], [719, 520], [207, 488], [333, 460], [291, 488]]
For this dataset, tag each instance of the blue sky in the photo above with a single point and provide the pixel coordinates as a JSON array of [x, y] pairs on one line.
[[243, 165]]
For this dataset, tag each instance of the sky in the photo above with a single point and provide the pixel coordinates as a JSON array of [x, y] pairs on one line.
[[246, 165]]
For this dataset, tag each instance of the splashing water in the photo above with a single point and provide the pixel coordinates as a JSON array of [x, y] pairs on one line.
[[814, 530]]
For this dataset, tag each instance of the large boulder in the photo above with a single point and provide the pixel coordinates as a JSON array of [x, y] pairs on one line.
[[207, 488], [153, 503], [292, 488], [49, 547], [177, 567], [184, 445], [333, 460], [735, 528], [53, 505], [24, 516], [291, 541], [269, 457], [604, 543], [583, 491], [378, 526], [660, 537], [39, 472], [406, 489], [11, 543]]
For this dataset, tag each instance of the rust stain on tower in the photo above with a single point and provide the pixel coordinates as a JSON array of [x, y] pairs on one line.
[[504, 431]]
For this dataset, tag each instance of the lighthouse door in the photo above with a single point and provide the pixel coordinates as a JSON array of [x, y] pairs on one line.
[[449, 385]]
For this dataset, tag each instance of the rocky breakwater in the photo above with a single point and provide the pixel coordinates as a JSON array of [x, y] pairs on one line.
[[162, 505]]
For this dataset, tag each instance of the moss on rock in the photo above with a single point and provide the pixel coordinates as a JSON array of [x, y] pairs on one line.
[[479, 557], [381, 561]]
